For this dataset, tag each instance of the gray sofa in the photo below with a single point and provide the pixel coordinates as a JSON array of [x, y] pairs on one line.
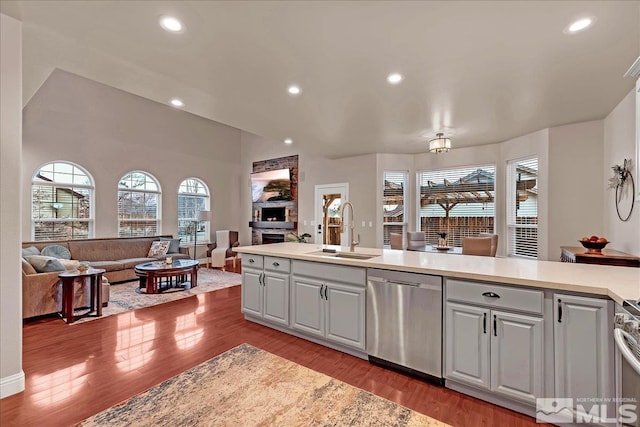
[[41, 292]]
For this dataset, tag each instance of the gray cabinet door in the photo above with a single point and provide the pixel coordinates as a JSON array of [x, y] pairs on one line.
[[276, 298], [345, 314], [252, 292], [517, 355], [583, 347], [308, 306], [467, 344]]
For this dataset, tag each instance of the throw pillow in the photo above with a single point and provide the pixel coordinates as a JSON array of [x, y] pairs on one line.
[[69, 264], [27, 268], [30, 251], [158, 248], [174, 246], [44, 264], [56, 251]]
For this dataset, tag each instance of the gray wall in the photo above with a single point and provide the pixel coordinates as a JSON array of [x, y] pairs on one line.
[[110, 132]]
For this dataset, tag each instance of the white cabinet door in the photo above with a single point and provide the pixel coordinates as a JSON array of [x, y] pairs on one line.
[[252, 292], [467, 344], [308, 306], [345, 314], [276, 298], [583, 345], [517, 355]]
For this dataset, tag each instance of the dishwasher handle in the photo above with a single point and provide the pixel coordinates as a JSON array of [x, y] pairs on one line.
[[381, 280]]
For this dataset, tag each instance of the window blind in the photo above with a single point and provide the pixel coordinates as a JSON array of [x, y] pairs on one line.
[[138, 205], [522, 208], [193, 197], [61, 198], [459, 202], [394, 210]]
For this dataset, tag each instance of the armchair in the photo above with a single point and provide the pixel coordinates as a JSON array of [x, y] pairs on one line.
[[222, 249]]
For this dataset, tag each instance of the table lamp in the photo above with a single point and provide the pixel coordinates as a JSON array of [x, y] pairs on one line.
[[202, 216]]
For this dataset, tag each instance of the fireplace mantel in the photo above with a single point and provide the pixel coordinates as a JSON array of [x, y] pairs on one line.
[[273, 224]]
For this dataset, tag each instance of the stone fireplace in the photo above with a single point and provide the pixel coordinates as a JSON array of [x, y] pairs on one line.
[[268, 238]]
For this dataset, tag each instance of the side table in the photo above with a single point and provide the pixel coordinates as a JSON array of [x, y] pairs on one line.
[[607, 257], [68, 278]]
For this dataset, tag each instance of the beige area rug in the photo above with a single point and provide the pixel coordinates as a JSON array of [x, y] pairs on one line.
[[123, 297], [246, 386]]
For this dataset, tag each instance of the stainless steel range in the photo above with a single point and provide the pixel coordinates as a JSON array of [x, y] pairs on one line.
[[627, 341]]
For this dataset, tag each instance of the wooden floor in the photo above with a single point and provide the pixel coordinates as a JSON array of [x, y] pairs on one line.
[[74, 371]]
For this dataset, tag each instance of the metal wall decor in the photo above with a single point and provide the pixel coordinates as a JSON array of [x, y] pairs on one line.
[[622, 182]]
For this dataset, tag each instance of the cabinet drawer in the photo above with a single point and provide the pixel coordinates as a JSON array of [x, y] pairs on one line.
[[277, 264], [252, 261], [337, 273], [495, 296]]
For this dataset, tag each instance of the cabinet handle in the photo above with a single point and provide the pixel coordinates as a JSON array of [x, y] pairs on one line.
[[559, 311], [490, 295], [484, 323], [261, 279], [321, 286], [251, 260], [276, 264], [325, 292], [495, 326]]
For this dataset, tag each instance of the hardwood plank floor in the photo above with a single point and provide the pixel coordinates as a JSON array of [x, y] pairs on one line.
[[75, 371]]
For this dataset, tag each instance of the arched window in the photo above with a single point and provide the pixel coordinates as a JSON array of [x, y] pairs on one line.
[[138, 205], [193, 197], [61, 202]]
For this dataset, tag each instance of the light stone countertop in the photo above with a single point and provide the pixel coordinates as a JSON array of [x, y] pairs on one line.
[[618, 283]]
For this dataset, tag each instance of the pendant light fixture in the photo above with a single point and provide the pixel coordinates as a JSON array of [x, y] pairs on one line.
[[440, 144]]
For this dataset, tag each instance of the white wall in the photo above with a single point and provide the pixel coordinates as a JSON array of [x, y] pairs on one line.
[[619, 144], [110, 132], [11, 374], [576, 184]]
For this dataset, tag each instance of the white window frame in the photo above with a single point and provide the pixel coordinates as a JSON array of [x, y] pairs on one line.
[[511, 226], [405, 212], [35, 181], [418, 223], [158, 219], [203, 234]]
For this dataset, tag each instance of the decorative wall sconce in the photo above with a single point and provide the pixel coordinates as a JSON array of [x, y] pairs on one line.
[[622, 182]]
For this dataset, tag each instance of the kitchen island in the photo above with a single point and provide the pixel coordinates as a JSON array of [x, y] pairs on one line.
[[505, 330]]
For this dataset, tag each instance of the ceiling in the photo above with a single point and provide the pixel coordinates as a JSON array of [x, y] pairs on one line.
[[485, 71]]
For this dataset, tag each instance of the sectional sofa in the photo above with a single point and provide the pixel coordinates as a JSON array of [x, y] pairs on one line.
[[42, 292]]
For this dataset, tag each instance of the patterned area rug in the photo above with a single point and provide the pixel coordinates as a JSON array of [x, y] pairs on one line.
[[123, 297], [247, 386]]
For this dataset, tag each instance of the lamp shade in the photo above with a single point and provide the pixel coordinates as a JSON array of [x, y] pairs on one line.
[[203, 215], [440, 144]]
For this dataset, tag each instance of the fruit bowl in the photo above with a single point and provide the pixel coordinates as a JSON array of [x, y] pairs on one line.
[[593, 247]]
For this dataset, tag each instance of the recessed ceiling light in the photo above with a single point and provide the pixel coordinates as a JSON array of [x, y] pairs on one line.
[[579, 25], [288, 141], [294, 90], [176, 102], [171, 24], [395, 78]]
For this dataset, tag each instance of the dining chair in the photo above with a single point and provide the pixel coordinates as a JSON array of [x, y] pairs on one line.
[[476, 246], [415, 240], [494, 242], [395, 240]]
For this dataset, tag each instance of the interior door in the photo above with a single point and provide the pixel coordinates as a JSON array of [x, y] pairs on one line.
[[328, 203]]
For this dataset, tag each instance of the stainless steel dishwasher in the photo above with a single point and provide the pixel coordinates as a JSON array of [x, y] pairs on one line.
[[404, 322]]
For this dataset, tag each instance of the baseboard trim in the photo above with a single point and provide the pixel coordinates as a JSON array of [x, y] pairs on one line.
[[12, 384]]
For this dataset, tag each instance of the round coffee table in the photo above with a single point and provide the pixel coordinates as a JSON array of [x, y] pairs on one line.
[[158, 276]]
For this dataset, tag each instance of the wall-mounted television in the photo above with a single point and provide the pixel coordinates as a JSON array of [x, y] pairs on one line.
[[271, 186]]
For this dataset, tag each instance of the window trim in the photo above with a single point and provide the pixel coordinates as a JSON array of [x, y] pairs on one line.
[[158, 219], [92, 190], [207, 196], [405, 215]]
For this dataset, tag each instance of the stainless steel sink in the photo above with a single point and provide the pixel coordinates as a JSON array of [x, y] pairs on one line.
[[346, 255]]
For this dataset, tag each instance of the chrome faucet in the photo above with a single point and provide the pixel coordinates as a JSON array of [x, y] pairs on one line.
[[354, 243]]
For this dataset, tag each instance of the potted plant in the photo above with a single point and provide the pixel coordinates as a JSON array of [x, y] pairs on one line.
[[302, 238]]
